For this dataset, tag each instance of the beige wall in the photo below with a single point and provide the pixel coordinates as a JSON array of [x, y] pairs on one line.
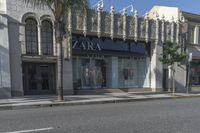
[[2, 6], [168, 12]]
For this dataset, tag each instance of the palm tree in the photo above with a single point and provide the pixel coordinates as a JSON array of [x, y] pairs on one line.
[[59, 9]]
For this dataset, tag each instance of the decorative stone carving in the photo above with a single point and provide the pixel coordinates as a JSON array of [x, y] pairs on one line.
[[79, 19], [152, 29], [168, 31], [163, 29], [94, 20], [106, 22], [157, 28], [112, 22], [142, 26], [120, 25], [132, 26]]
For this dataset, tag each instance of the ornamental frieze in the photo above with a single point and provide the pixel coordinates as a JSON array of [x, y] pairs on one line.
[[121, 25]]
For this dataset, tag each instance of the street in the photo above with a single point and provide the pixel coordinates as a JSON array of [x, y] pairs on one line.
[[157, 116]]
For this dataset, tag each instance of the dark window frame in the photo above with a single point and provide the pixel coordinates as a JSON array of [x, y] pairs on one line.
[[47, 37], [31, 36]]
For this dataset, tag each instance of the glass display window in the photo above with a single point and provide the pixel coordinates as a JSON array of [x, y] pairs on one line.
[[90, 73]]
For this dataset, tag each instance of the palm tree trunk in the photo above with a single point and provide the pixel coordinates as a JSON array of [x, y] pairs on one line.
[[59, 62], [60, 72], [173, 80]]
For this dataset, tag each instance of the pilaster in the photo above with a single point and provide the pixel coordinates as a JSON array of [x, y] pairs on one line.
[[147, 28], [99, 20], [39, 40], [112, 22], [172, 30], [163, 29], [136, 26], [156, 65], [124, 24], [85, 23]]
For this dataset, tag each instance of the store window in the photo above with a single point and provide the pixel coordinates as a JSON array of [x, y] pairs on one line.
[[47, 37], [192, 34], [195, 72], [89, 73], [132, 72], [31, 33]]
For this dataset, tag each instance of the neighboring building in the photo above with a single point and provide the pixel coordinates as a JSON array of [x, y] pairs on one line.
[[190, 40], [104, 52], [193, 46]]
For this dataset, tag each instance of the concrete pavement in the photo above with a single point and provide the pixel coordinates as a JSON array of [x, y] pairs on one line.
[[51, 100]]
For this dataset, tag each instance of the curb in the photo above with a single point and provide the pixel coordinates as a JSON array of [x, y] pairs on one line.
[[58, 104]]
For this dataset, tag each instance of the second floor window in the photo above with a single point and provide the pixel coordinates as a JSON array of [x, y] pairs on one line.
[[31, 32], [47, 37]]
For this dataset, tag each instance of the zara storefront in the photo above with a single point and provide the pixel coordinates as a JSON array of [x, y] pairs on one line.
[[102, 51], [103, 63]]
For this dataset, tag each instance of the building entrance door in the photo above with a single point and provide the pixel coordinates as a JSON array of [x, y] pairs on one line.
[[38, 78]]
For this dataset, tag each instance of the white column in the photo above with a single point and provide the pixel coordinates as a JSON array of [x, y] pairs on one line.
[[124, 24], [85, 23], [99, 21], [147, 28], [156, 65], [196, 35], [22, 38], [136, 25], [112, 22], [39, 40]]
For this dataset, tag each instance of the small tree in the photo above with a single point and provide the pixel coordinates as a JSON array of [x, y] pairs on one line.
[[171, 55]]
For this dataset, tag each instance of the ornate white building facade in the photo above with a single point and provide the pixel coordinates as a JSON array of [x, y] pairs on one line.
[[103, 51]]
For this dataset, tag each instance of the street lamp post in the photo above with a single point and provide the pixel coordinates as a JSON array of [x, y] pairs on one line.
[[188, 76]]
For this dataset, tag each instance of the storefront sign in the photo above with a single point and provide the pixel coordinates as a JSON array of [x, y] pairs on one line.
[[86, 45]]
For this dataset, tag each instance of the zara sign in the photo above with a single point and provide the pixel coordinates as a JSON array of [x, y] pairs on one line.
[[86, 45]]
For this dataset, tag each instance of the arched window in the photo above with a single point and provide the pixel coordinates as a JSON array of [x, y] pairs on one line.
[[31, 33], [47, 37]]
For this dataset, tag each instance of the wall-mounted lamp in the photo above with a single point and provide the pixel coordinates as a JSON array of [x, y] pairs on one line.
[[125, 8], [99, 3]]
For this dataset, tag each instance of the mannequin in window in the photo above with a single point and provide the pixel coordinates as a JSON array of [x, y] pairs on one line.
[[99, 77], [93, 74], [85, 76], [125, 72], [131, 73]]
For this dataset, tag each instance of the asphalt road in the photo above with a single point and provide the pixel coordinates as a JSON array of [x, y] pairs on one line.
[[159, 116]]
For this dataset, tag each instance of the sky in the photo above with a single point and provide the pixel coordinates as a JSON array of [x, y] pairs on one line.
[[142, 6]]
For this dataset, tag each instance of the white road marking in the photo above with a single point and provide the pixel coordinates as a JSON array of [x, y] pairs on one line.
[[32, 130]]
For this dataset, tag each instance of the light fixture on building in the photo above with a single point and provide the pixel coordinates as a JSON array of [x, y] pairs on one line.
[[100, 2], [125, 8]]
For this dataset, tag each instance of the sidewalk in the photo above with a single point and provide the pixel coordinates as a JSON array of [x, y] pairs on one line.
[[49, 101]]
